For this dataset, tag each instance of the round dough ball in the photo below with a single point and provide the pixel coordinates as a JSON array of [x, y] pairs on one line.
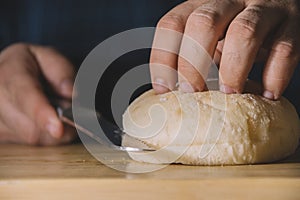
[[226, 129]]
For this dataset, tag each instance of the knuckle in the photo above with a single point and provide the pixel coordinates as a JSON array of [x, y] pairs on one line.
[[285, 50], [11, 50], [19, 45], [171, 21], [206, 19], [244, 27]]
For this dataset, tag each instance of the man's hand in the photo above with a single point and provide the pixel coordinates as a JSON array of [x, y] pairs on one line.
[[26, 115], [235, 33]]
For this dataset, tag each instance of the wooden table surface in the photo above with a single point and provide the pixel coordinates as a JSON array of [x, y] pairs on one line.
[[70, 172]]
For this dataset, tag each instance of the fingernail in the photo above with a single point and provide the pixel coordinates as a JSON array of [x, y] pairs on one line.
[[186, 87], [268, 95], [67, 87], [160, 86], [53, 128], [226, 89]]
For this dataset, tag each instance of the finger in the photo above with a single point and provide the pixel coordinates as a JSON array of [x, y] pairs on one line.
[[166, 44], [12, 121], [261, 56], [205, 26], [283, 59], [31, 100], [26, 113], [25, 110], [70, 135], [58, 71], [20, 80], [244, 37], [16, 126], [218, 52]]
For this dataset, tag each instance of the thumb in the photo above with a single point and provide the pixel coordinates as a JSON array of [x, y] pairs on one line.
[[57, 70]]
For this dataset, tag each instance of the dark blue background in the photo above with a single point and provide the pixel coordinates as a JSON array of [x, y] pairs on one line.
[[76, 27]]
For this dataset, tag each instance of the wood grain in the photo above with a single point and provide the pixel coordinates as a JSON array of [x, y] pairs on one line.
[[65, 172]]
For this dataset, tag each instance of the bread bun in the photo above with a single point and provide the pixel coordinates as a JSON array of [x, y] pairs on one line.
[[223, 129]]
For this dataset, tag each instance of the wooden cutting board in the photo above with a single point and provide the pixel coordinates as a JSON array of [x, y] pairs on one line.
[[70, 172]]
